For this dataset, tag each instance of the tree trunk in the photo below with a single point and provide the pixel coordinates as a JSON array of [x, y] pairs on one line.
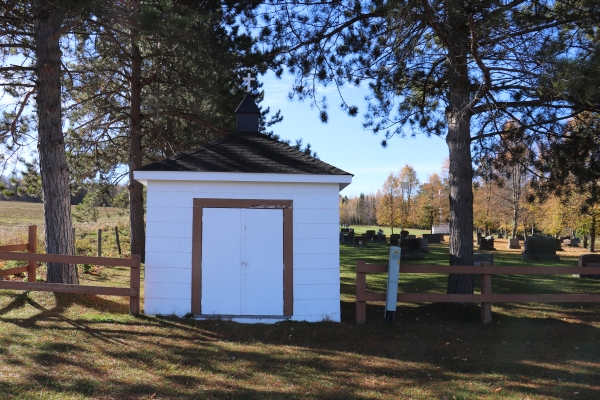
[[459, 145], [593, 234], [136, 194], [51, 146], [516, 188], [515, 222]]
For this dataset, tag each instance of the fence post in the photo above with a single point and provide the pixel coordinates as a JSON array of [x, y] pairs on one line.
[[117, 240], [486, 307], [32, 248], [99, 242], [134, 283], [361, 288]]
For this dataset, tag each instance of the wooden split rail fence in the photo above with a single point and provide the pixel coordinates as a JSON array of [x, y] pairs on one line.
[[486, 298], [9, 253]]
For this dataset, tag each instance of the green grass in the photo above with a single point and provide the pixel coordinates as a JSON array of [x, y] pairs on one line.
[[88, 347]]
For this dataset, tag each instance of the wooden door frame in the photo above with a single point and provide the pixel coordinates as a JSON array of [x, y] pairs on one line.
[[288, 254]]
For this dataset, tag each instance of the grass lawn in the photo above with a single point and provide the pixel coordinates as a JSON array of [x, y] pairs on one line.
[[78, 347]]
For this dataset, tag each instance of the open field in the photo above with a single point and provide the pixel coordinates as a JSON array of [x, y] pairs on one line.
[[79, 347]]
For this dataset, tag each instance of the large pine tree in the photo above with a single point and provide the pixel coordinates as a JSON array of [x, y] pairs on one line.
[[447, 67], [152, 79], [30, 38]]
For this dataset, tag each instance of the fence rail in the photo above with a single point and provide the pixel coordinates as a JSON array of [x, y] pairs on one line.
[[6, 253], [486, 298]]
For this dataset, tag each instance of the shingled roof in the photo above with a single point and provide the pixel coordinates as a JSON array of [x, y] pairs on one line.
[[249, 152]]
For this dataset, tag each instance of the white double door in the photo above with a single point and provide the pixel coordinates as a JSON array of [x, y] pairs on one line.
[[242, 261]]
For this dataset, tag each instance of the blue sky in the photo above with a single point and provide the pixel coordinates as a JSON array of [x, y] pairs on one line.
[[344, 143]]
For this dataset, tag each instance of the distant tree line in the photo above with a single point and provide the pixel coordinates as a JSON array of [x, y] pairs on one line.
[[402, 202]]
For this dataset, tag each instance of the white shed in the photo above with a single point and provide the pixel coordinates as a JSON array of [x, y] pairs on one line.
[[243, 228]]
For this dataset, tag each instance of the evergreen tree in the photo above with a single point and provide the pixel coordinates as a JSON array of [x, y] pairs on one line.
[[152, 79], [449, 67], [31, 57]]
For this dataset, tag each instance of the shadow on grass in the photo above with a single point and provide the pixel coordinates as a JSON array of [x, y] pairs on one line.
[[442, 349], [432, 351]]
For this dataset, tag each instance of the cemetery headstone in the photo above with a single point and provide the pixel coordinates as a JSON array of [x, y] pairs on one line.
[[574, 242], [500, 236], [344, 230], [520, 237], [394, 239], [479, 258], [411, 249], [513, 244], [379, 237], [404, 233], [433, 238], [589, 260], [423, 245], [370, 234], [486, 243], [557, 245], [411, 236], [360, 240], [409, 244], [348, 238], [540, 248]]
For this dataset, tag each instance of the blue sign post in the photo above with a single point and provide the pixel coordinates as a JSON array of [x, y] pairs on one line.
[[392, 284]]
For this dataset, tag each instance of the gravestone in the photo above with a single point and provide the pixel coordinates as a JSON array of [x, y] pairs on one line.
[[513, 244], [557, 245], [411, 236], [589, 260], [394, 239], [410, 244], [540, 248], [433, 238], [360, 241], [574, 242], [500, 236], [479, 258], [379, 238], [348, 238], [486, 243], [344, 230], [404, 233], [370, 234], [411, 249], [520, 237]]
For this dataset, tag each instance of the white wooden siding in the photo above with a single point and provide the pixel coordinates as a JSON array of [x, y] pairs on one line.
[[316, 238]]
